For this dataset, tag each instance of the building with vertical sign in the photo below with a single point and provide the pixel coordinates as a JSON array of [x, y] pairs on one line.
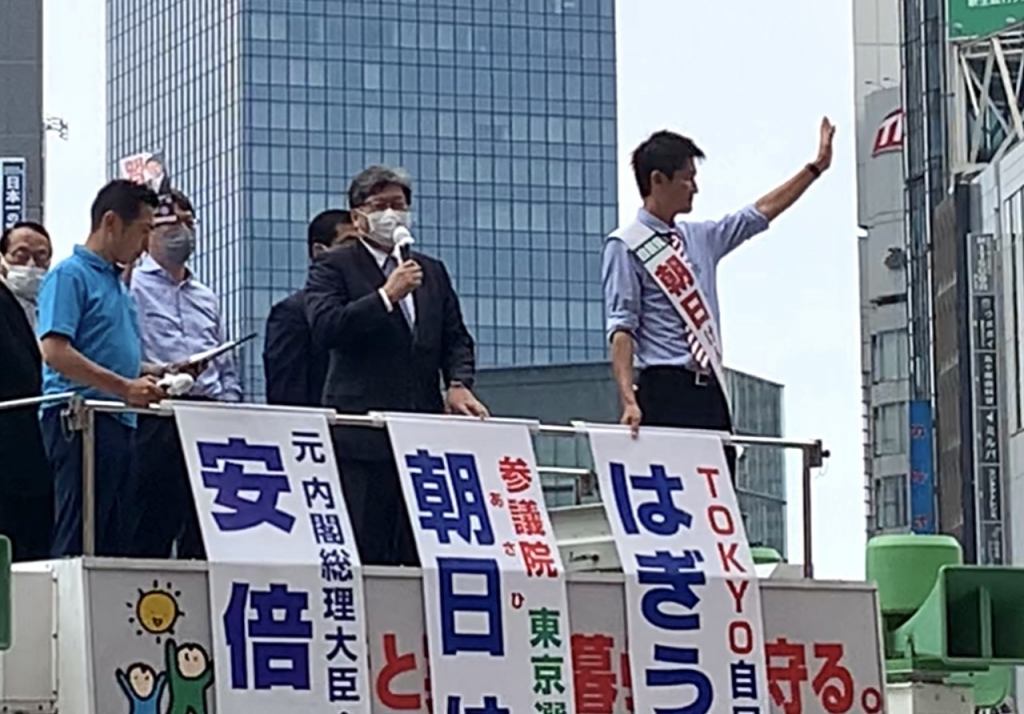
[[897, 429], [503, 113], [563, 393], [21, 110], [997, 302]]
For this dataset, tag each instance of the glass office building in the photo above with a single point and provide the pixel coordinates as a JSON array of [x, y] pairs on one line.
[[502, 111]]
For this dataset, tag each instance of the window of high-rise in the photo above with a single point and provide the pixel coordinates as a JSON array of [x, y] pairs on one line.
[[502, 111]]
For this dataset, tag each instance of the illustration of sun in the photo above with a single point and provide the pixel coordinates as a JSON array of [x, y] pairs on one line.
[[156, 611]]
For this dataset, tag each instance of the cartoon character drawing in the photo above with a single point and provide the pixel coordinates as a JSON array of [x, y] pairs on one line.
[[156, 610], [143, 687], [189, 675]]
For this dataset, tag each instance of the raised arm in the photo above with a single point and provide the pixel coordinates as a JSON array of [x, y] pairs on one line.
[[778, 200], [334, 317]]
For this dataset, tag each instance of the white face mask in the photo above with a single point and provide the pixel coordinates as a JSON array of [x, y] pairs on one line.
[[24, 280], [383, 225]]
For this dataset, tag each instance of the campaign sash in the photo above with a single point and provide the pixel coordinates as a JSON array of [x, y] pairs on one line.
[[664, 258]]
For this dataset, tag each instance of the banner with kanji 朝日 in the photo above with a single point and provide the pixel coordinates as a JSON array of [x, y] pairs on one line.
[[286, 585], [494, 587], [693, 606]]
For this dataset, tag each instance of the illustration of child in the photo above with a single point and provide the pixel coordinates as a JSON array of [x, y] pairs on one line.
[[143, 688], [189, 675]]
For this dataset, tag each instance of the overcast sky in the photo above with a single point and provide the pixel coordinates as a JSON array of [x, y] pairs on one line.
[[749, 81]]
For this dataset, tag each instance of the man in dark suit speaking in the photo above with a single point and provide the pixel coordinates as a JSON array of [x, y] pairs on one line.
[[392, 323]]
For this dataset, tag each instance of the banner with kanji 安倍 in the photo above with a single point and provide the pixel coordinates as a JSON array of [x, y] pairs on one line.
[[494, 586], [286, 585], [693, 607]]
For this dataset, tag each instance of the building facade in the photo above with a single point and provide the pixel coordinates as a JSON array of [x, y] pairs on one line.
[[21, 111], [564, 393], [504, 114], [885, 335]]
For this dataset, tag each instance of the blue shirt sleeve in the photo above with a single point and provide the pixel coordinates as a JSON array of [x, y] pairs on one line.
[[227, 370], [726, 235], [621, 288], [61, 304]]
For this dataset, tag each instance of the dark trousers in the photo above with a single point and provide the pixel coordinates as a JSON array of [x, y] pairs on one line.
[[27, 519], [164, 510], [377, 509], [64, 450], [678, 397], [26, 486]]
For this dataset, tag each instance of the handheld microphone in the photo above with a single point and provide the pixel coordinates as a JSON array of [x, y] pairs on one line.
[[403, 239]]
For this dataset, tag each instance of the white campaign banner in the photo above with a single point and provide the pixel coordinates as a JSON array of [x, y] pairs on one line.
[[266, 485], [494, 586], [286, 584], [693, 605], [277, 651]]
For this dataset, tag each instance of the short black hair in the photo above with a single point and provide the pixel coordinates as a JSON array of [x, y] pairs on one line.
[[375, 179], [324, 227], [181, 200], [664, 151], [5, 237], [125, 198]]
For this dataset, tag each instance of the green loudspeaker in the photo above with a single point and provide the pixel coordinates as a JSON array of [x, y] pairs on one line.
[[5, 593], [972, 619], [763, 555], [940, 618]]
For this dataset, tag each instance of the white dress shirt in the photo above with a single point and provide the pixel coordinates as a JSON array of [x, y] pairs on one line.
[[407, 303]]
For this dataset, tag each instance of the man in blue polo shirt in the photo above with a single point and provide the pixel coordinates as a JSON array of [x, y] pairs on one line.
[[90, 340]]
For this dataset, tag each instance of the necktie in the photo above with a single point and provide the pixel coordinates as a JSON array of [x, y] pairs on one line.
[[698, 353], [389, 267]]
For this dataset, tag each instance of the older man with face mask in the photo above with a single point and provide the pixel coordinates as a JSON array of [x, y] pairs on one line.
[[392, 322], [26, 480], [178, 317], [25, 253]]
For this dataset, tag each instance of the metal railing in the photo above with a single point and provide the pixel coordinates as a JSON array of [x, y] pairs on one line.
[[83, 418]]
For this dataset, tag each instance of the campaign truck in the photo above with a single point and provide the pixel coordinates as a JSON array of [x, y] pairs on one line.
[[650, 601]]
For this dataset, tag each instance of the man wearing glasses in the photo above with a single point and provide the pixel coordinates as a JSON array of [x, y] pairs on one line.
[[393, 325]]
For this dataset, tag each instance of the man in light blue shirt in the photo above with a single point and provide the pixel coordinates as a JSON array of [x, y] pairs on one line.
[[90, 342], [179, 317], [645, 327]]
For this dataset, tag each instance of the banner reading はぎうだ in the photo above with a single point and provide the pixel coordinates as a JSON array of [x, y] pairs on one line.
[[693, 606]]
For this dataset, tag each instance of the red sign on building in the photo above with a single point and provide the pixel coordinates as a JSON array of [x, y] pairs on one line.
[[889, 136]]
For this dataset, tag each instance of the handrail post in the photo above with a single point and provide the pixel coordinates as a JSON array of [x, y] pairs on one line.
[[812, 457], [805, 487], [89, 483], [82, 418]]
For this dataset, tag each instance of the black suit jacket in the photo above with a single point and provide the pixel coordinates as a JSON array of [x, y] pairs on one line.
[[294, 367], [377, 362], [23, 465]]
